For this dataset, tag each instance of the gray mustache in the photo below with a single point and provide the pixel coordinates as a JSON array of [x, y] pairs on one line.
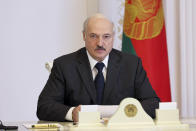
[[100, 48]]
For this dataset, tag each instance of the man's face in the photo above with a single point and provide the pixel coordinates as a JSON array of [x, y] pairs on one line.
[[99, 37]]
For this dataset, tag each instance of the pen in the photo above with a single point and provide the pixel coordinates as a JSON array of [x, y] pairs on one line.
[[42, 126]]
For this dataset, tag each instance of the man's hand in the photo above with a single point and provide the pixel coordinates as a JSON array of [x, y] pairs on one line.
[[75, 113]]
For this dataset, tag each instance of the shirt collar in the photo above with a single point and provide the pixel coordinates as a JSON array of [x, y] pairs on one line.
[[93, 62]]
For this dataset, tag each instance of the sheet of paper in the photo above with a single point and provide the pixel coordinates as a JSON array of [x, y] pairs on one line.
[[106, 111], [89, 108], [167, 105]]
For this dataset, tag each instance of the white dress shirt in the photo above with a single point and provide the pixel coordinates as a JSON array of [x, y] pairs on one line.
[[93, 62]]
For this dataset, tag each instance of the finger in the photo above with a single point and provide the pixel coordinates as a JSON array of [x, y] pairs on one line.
[[79, 108], [75, 113]]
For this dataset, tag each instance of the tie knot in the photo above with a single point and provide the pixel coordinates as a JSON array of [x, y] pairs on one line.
[[99, 66]]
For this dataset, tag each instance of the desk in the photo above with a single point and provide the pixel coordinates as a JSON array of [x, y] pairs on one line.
[[191, 122]]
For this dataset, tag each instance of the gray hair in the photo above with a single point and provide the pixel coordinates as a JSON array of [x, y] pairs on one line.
[[98, 15]]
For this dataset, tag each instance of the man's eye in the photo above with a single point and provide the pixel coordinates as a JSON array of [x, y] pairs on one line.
[[93, 36], [106, 36]]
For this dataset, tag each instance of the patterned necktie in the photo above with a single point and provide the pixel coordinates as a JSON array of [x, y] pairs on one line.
[[99, 82]]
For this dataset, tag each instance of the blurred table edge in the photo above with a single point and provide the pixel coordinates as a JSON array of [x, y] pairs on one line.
[[190, 121]]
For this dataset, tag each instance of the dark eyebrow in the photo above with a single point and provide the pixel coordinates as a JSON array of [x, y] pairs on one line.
[[107, 34], [92, 33], [98, 35]]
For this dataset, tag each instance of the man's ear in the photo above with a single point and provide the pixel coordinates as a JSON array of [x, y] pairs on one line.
[[84, 35]]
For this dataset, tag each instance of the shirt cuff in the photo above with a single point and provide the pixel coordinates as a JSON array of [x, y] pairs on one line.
[[69, 114]]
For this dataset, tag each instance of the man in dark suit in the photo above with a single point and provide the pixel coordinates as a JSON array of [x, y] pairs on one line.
[[75, 78]]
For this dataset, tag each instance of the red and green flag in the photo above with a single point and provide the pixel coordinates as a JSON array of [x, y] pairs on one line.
[[144, 35]]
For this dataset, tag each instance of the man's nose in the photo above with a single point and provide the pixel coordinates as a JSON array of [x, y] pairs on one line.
[[100, 41]]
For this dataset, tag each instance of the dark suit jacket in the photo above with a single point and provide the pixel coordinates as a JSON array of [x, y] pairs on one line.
[[71, 84]]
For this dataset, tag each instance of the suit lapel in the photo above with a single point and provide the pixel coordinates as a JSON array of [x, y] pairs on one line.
[[112, 74], [86, 73]]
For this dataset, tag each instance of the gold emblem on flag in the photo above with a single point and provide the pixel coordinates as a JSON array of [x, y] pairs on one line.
[[143, 18], [130, 110]]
